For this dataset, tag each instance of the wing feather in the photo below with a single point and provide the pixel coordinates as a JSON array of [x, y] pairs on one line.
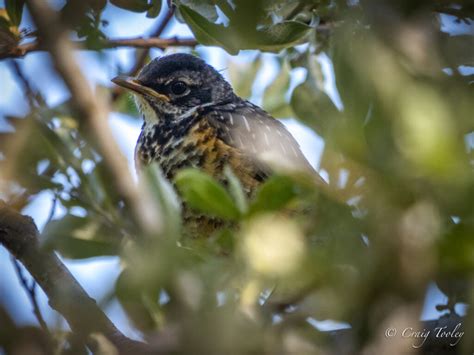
[[258, 135]]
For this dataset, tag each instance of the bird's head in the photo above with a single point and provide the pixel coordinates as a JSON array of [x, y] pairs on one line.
[[172, 85]]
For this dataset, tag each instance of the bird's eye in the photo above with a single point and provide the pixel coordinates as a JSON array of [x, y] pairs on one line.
[[178, 87]]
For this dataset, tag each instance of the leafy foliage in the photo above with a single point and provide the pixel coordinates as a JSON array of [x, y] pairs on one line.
[[202, 193], [15, 11], [242, 31]]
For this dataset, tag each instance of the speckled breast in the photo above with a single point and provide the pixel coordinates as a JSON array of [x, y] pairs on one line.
[[164, 143]]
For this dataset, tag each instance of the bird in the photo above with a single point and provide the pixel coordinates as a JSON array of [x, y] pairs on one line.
[[193, 118]]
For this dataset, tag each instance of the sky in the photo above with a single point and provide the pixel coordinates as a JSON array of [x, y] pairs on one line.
[[98, 275]]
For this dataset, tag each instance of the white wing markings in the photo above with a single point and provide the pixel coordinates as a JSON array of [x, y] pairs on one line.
[[294, 150], [266, 138], [246, 123]]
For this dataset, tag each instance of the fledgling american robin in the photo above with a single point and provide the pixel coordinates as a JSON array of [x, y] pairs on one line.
[[193, 118]]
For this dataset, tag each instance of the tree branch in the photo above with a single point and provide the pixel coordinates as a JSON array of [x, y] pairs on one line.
[[20, 236], [137, 42]]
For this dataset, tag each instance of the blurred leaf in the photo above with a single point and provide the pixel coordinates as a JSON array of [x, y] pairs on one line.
[[236, 190], [457, 50], [273, 194], [457, 249], [313, 107], [203, 193], [98, 180], [161, 191], [84, 16], [57, 145], [223, 242], [15, 10], [132, 5], [349, 61], [79, 238], [243, 76], [126, 105], [281, 35], [76, 248], [97, 5], [9, 34], [274, 100], [4, 22], [90, 29], [155, 9], [131, 291], [32, 142]]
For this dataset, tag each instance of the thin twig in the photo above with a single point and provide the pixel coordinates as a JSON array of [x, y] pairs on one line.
[[31, 292], [26, 84], [52, 210], [151, 42], [31, 94], [139, 42]]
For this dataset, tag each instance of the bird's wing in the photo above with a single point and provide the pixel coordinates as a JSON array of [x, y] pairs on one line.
[[259, 136]]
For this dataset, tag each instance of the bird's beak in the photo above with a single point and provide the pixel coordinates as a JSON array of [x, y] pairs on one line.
[[133, 84]]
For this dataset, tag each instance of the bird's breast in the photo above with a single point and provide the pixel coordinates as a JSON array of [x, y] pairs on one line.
[[177, 145]]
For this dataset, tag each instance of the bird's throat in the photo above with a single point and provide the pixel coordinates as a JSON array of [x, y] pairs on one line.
[[148, 112]]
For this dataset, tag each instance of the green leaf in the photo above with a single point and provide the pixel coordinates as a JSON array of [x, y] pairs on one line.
[[132, 5], [203, 193], [281, 35], [163, 193], [273, 194], [223, 242], [313, 107], [206, 32], [39, 143], [75, 248], [242, 33], [57, 146], [126, 105], [4, 24], [132, 291], [155, 9], [78, 238], [14, 10], [98, 181], [205, 8], [456, 249], [236, 190]]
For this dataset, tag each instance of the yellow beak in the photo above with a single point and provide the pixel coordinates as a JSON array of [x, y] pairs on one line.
[[133, 84]]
